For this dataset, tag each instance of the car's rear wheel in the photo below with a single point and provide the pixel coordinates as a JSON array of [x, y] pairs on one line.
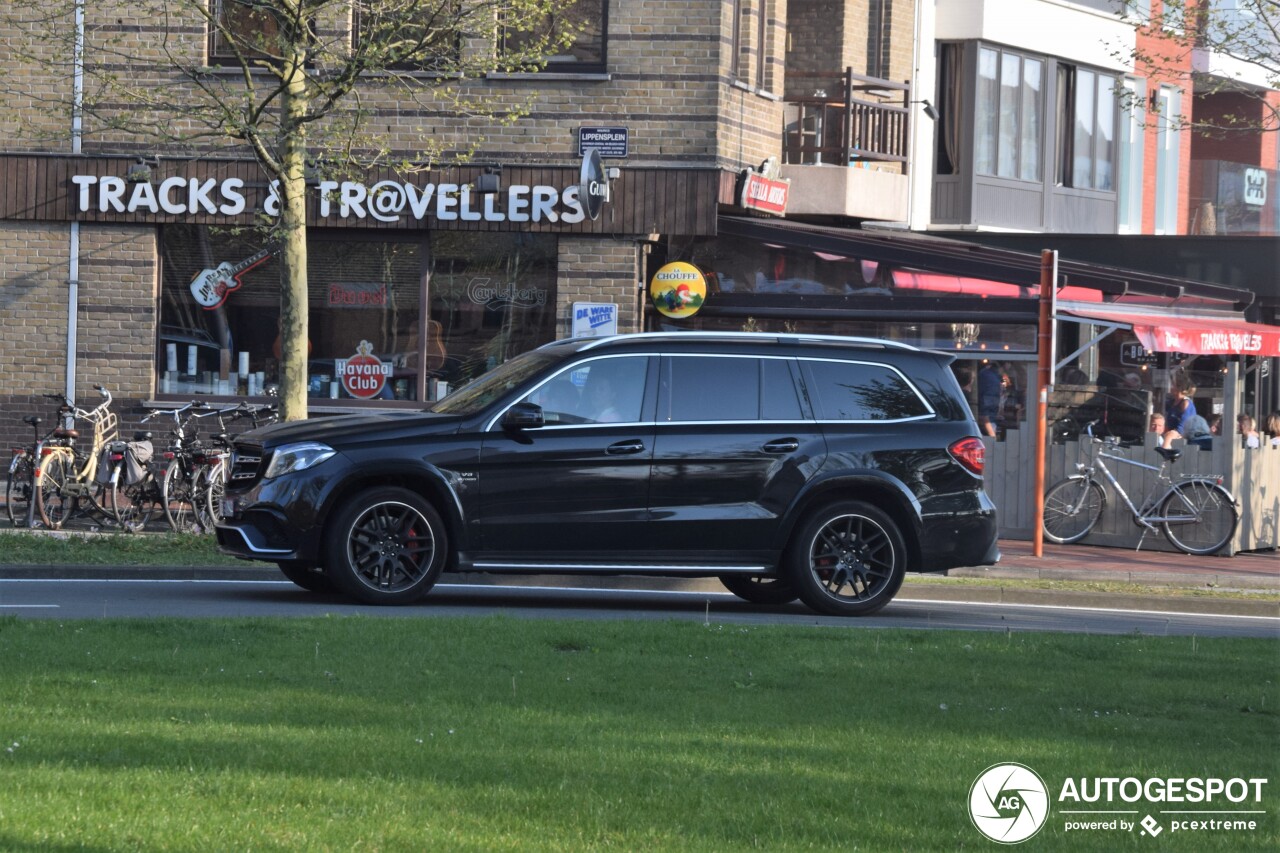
[[760, 590], [386, 546], [847, 559], [310, 577]]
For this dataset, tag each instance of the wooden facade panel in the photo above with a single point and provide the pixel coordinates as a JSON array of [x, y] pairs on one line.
[[1010, 205], [644, 200], [946, 200]]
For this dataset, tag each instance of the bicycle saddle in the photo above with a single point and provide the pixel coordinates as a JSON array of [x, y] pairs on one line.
[[66, 433], [1169, 453], [34, 420], [142, 436]]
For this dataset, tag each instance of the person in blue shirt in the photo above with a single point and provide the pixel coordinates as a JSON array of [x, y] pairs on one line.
[[1180, 414], [991, 389]]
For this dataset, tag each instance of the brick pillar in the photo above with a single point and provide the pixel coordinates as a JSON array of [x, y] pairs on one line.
[[598, 269]]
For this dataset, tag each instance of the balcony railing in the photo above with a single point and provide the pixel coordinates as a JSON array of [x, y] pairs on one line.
[[848, 118]]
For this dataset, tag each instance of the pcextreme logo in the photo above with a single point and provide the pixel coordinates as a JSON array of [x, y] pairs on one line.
[[1009, 803]]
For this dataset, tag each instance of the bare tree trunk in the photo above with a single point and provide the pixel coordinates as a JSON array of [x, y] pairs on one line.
[[294, 335]]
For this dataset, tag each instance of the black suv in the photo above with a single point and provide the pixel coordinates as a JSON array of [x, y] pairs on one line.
[[788, 466]]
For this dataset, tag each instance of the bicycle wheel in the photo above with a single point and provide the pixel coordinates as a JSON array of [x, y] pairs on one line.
[[212, 486], [52, 503], [1071, 509], [135, 504], [1202, 518], [17, 494], [178, 499]]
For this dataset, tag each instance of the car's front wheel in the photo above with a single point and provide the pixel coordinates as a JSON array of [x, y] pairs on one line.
[[385, 546], [847, 559]]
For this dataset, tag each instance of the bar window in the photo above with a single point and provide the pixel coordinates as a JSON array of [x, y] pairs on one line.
[[571, 39], [427, 37], [244, 29], [1009, 109], [1087, 129]]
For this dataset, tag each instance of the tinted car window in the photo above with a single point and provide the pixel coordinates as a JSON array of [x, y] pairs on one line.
[[475, 395], [779, 399], [612, 389], [858, 391], [561, 398], [713, 389]]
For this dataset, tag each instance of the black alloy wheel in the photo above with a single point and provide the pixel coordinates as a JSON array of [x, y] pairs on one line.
[[386, 546], [847, 559]]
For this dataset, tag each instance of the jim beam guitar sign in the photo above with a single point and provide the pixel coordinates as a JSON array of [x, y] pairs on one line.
[[210, 287]]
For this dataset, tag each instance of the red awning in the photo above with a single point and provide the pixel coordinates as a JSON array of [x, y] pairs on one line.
[[1193, 335]]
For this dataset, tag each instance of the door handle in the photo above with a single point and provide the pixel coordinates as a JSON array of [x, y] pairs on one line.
[[624, 448], [782, 445]]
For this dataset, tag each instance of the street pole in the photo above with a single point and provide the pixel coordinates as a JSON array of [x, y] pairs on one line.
[[1044, 385]]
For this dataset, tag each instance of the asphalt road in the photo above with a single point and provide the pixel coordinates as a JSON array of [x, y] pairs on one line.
[[98, 599]]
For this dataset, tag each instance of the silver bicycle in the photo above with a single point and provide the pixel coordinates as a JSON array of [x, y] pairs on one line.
[[1195, 513]]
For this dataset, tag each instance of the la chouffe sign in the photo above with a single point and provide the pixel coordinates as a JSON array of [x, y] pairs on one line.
[[387, 201]]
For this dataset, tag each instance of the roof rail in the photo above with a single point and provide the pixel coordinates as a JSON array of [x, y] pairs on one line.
[[780, 337]]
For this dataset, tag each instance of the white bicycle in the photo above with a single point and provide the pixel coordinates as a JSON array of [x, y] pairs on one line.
[[1195, 513]]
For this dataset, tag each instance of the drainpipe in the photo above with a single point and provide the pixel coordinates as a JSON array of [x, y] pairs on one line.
[[73, 267]]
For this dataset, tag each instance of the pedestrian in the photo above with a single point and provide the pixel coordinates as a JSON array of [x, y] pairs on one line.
[[1180, 417], [1248, 434], [1273, 428], [991, 389]]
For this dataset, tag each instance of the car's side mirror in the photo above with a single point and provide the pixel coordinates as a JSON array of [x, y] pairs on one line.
[[523, 416]]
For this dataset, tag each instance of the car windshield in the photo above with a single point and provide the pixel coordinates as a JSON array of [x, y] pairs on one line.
[[479, 393]]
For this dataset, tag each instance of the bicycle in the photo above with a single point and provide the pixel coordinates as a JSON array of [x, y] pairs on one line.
[[145, 485], [211, 481], [66, 477], [1195, 513], [181, 462], [22, 478]]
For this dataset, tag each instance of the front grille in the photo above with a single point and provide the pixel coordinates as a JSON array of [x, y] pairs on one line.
[[246, 462]]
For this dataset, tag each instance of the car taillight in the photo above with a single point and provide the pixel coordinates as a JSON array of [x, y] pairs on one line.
[[971, 453]]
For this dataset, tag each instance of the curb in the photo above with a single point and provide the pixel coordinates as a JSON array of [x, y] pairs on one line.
[[1266, 605], [1199, 580]]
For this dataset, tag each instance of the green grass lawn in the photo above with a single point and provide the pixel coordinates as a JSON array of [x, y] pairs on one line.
[[42, 548], [511, 734]]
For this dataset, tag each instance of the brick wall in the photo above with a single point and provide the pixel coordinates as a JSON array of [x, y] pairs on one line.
[[33, 327], [1227, 110], [598, 270], [115, 320], [666, 66]]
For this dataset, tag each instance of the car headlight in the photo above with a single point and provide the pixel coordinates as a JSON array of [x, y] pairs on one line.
[[297, 457]]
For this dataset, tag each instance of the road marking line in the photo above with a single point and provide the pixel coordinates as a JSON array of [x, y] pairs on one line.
[[670, 592]]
